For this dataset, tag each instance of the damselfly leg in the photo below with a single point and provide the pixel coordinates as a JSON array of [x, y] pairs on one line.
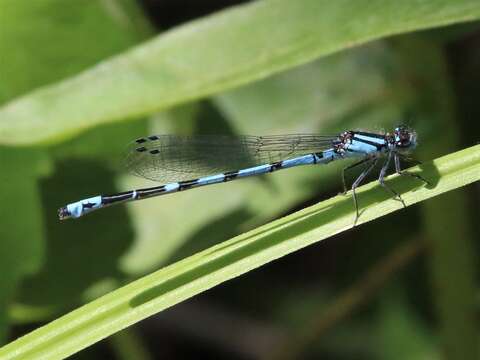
[[350, 167], [381, 180], [357, 183]]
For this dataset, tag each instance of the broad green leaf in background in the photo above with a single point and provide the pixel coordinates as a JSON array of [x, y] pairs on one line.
[[214, 54], [232, 258], [56, 40]]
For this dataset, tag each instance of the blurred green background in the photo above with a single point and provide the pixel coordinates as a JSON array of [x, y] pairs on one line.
[[403, 286]]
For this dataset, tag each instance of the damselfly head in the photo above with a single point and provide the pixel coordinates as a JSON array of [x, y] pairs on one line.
[[405, 138]]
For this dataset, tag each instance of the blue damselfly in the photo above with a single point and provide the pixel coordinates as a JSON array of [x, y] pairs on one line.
[[185, 162]]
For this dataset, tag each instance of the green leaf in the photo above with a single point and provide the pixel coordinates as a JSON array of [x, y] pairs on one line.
[[184, 279], [214, 54], [21, 221], [45, 41]]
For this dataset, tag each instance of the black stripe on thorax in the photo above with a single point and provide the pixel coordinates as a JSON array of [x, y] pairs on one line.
[[378, 146], [317, 156], [374, 135]]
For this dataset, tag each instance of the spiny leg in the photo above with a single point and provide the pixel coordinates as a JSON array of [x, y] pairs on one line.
[[401, 172], [363, 161], [357, 182], [381, 179]]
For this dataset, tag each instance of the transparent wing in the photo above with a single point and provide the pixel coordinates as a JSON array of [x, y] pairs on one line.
[[167, 158]]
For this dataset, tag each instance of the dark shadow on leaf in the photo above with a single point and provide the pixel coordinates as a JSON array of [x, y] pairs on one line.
[[79, 252], [225, 227]]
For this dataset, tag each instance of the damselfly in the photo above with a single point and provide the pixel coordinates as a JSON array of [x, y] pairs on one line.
[[185, 162]]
